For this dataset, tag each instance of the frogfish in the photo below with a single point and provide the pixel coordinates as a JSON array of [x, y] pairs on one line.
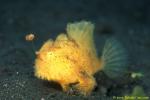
[[71, 59]]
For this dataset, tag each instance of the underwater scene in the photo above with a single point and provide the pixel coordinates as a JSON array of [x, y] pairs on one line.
[[75, 50]]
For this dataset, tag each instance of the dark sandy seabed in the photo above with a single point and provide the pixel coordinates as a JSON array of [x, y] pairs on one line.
[[127, 20]]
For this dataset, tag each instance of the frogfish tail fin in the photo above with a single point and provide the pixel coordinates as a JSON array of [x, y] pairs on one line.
[[114, 58]]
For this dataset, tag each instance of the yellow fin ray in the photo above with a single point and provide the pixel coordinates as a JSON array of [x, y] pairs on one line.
[[82, 33]]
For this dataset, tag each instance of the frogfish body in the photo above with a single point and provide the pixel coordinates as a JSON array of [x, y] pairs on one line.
[[72, 59]]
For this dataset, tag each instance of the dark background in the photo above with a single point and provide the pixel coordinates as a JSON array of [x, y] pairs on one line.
[[127, 20]]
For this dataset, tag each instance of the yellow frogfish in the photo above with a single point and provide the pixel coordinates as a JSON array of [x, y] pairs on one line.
[[71, 59]]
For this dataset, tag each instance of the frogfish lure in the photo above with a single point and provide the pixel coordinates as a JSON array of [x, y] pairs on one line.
[[72, 59]]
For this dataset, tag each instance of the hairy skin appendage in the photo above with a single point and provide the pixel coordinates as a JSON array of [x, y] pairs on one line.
[[71, 60]]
